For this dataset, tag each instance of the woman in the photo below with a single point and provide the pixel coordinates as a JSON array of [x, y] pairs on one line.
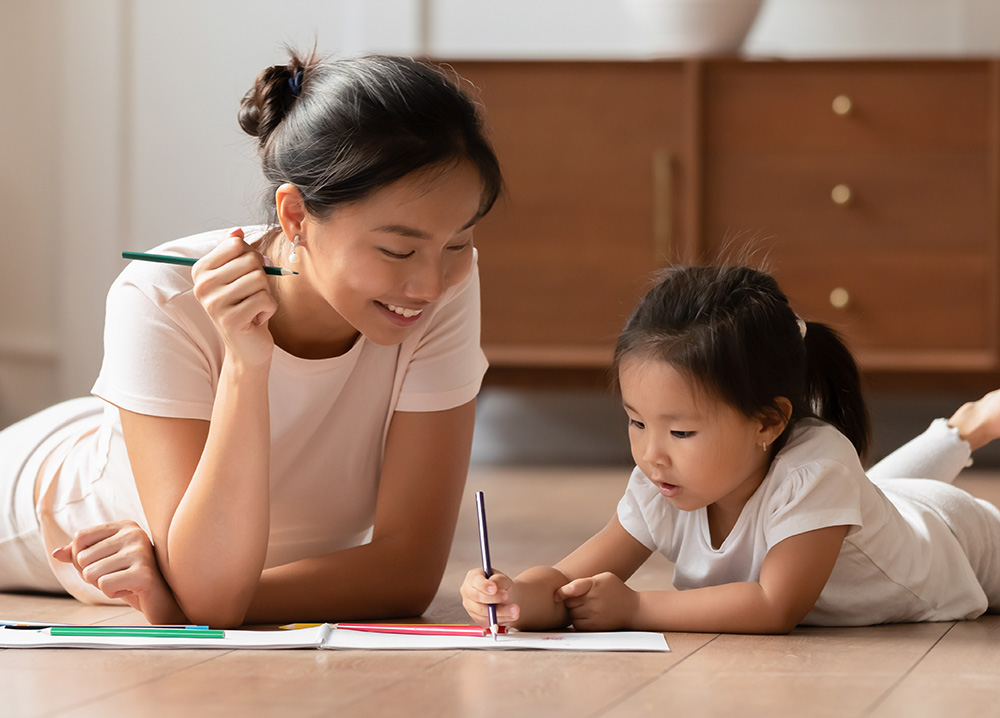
[[263, 449]]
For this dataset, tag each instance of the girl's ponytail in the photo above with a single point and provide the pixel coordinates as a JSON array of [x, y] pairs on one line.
[[833, 385]]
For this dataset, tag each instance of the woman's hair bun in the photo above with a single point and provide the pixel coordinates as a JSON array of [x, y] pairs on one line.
[[272, 96]]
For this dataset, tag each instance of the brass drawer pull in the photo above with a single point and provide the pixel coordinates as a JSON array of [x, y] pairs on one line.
[[842, 105], [840, 298], [841, 194]]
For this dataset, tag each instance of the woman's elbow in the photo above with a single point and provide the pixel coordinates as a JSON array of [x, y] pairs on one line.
[[223, 612]]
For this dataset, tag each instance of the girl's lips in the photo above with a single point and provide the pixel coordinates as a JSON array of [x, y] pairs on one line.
[[668, 490]]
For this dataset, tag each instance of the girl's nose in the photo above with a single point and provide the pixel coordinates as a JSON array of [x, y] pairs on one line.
[[655, 455]]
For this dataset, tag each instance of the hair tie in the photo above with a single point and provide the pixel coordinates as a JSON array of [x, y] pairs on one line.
[[802, 325], [295, 83]]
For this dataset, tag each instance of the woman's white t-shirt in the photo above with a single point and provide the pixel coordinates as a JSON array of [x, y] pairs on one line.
[[329, 417], [900, 561]]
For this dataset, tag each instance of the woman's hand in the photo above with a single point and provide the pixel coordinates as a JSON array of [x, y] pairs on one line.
[[478, 592], [600, 603], [118, 559], [231, 285]]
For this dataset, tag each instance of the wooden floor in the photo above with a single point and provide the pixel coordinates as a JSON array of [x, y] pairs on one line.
[[936, 669]]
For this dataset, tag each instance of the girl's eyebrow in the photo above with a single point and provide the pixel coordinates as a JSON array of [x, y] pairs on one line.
[[673, 417]]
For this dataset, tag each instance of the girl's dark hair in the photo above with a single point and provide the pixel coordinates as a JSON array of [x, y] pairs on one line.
[[340, 130], [732, 330]]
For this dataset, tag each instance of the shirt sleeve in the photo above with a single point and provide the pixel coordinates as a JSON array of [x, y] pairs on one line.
[[446, 365], [814, 496], [158, 353]]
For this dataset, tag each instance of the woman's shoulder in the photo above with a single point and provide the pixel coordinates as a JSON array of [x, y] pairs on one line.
[[164, 283]]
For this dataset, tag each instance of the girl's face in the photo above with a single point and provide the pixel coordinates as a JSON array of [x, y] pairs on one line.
[[697, 450], [381, 262]]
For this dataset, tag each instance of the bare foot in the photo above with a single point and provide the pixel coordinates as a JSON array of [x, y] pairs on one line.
[[978, 422]]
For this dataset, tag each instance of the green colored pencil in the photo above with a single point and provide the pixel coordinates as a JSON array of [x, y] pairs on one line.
[[188, 261], [151, 632]]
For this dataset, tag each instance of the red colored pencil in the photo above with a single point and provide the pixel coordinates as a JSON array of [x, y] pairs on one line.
[[420, 629]]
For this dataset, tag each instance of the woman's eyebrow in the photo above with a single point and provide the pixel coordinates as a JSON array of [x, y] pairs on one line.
[[407, 231]]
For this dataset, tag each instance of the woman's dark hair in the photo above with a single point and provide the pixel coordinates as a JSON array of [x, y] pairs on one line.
[[340, 130], [732, 330]]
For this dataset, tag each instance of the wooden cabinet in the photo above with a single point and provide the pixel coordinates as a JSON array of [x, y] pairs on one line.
[[869, 188]]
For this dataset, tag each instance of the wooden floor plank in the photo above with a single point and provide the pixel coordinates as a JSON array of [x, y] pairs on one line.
[[811, 672], [268, 683], [959, 677]]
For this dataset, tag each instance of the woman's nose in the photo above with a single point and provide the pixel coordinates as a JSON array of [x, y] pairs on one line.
[[429, 282]]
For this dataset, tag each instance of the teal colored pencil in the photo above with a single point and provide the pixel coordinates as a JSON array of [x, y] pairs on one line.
[[188, 261], [135, 632]]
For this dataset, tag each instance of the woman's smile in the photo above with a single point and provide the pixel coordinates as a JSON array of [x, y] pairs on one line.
[[400, 316]]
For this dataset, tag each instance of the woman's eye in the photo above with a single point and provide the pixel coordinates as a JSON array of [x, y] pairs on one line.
[[682, 434], [636, 424], [460, 247], [396, 255]]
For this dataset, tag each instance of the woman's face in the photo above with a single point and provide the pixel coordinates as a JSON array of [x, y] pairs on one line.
[[376, 265]]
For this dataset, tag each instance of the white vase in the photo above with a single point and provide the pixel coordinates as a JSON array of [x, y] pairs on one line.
[[685, 28]]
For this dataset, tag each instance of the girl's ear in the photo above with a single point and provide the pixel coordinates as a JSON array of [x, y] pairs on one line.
[[291, 209], [774, 421]]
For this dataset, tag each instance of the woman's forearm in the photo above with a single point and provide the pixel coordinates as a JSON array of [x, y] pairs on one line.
[[386, 578], [217, 539]]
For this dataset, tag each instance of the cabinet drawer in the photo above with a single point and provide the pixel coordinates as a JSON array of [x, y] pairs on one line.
[[918, 310], [915, 201], [766, 106]]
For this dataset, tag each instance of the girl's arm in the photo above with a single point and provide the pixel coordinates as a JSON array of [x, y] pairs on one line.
[[532, 600], [398, 573], [792, 577]]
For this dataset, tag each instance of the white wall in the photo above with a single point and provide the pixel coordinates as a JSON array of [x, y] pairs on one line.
[[28, 205], [118, 122]]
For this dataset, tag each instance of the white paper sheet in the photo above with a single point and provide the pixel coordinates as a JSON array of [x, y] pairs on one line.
[[329, 637]]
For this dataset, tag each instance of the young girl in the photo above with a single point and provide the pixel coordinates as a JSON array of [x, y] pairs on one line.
[[746, 425], [265, 449]]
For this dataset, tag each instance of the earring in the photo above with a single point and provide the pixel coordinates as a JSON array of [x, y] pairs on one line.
[[293, 258], [763, 445]]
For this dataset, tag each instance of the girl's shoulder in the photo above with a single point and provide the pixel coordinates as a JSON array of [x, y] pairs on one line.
[[815, 440]]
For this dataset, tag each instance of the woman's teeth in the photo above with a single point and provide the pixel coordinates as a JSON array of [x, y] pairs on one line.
[[402, 311]]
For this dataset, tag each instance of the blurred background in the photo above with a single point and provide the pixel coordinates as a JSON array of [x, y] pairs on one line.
[[118, 131]]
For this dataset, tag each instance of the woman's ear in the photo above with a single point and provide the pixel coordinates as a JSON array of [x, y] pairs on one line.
[[291, 209], [775, 419]]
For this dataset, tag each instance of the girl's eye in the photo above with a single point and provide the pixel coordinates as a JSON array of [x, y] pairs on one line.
[[460, 247], [396, 255], [636, 424], [682, 434]]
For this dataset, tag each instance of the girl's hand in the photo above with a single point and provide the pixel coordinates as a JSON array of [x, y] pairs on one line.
[[478, 592], [600, 603], [231, 285], [118, 559]]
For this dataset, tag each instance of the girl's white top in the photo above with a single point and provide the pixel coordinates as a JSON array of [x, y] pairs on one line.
[[901, 560], [329, 417]]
